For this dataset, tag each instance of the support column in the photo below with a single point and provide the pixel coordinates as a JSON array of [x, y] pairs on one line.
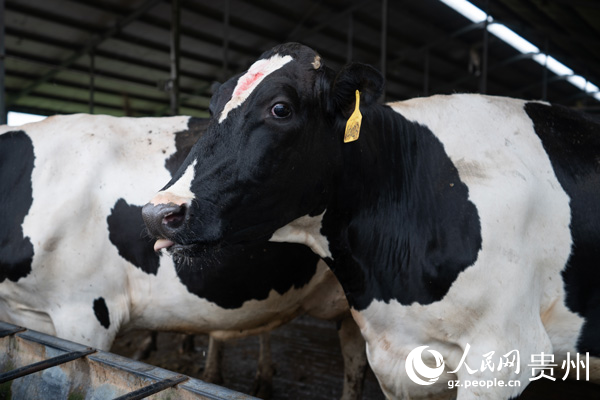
[[350, 37], [426, 74], [484, 56], [225, 41], [175, 40], [384, 12], [2, 68], [92, 79], [545, 73]]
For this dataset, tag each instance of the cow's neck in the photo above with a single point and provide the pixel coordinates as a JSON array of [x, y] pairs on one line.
[[401, 225]]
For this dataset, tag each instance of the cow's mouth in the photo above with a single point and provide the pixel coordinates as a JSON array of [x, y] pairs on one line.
[[163, 244], [194, 250], [200, 249]]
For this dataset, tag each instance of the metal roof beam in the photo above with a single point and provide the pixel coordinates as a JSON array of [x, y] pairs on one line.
[[84, 104], [409, 52], [83, 87], [328, 21], [132, 39], [54, 16], [189, 31], [95, 41], [561, 38], [106, 54], [99, 73]]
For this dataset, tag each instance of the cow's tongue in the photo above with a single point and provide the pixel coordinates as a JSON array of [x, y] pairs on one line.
[[162, 244]]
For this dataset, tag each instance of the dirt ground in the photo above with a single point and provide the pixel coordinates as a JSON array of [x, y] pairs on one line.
[[306, 354], [308, 364]]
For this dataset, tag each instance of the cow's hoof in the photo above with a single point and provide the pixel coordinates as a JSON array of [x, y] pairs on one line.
[[262, 388], [212, 377]]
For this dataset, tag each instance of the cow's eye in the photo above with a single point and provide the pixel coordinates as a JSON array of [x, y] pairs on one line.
[[281, 110]]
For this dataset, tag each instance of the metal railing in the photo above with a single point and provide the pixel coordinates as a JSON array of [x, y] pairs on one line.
[[26, 355]]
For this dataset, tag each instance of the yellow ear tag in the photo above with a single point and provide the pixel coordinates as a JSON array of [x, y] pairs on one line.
[[353, 124]]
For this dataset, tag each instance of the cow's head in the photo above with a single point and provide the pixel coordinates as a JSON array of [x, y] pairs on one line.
[[270, 153]]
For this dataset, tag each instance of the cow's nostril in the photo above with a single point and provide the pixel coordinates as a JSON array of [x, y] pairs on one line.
[[175, 218], [163, 220]]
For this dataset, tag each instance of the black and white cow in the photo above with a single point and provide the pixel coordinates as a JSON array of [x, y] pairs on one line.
[[75, 263], [466, 223]]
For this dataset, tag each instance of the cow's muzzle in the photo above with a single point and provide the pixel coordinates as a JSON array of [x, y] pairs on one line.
[[164, 221]]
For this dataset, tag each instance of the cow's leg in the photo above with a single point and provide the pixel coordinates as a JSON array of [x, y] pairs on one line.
[[510, 362], [484, 384], [355, 359], [263, 382], [214, 361], [187, 344], [146, 346], [389, 366]]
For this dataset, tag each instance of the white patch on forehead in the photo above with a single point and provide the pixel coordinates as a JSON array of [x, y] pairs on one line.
[[250, 80], [181, 191], [305, 230]]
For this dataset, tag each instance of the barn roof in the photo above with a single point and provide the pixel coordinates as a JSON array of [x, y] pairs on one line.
[[114, 57]]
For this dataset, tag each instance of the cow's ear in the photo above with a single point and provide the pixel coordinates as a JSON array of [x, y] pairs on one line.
[[353, 77]]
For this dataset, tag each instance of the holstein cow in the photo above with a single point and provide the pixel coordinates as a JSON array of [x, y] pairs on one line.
[[466, 223], [75, 263]]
